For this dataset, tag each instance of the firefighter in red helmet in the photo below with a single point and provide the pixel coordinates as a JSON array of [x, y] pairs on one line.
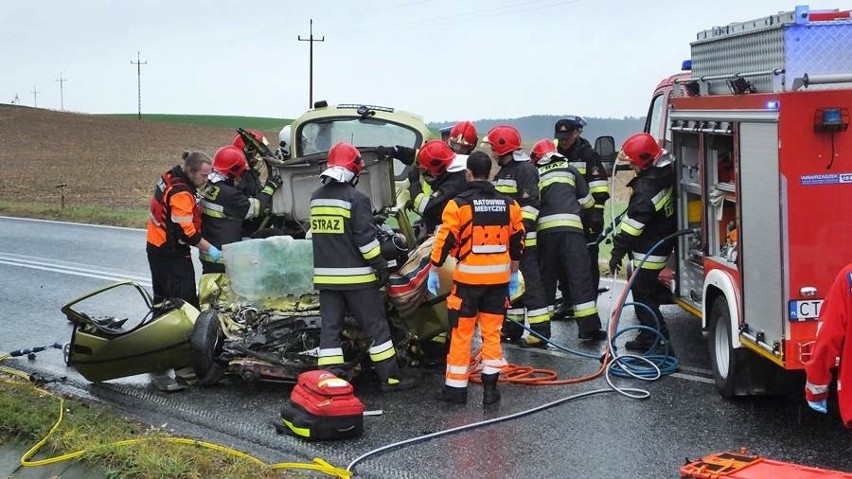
[[224, 207], [349, 268], [834, 340], [518, 179], [561, 237], [649, 218], [434, 159], [582, 156]]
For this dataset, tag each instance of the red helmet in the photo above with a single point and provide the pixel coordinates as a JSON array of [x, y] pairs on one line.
[[503, 139], [239, 143], [435, 156], [230, 161], [642, 149], [347, 156], [541, 150], [463, 135]]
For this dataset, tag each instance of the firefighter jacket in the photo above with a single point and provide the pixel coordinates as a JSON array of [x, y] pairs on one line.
[[344, 238], [518, 180], [224, 207], [430, 199], [484, 231], [834, 340], [649, 217], [586, 160], [174, 216], [564, 194]]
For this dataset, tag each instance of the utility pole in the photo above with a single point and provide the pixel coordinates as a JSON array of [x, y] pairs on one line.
[[35, 97], [139, 64], [311, 41], [61, 92]]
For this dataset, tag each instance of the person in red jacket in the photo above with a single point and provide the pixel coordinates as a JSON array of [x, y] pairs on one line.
[[834, 340]]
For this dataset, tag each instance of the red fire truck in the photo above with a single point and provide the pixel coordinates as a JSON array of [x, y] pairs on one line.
[[759, 130]]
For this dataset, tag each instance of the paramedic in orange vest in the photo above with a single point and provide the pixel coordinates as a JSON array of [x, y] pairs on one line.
[[174, 224], [833, 341], [483, 229]]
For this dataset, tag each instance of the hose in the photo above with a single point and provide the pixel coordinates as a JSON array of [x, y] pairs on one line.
[[318, 465]]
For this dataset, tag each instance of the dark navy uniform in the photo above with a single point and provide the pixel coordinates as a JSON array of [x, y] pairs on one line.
[[429, 199]]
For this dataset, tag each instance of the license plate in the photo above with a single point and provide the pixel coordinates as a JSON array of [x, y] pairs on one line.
[[805, 310]]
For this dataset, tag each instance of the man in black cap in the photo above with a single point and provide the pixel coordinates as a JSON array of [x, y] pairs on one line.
[[582, 156]]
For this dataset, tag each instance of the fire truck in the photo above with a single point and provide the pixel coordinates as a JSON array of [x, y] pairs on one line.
[[759, 131]]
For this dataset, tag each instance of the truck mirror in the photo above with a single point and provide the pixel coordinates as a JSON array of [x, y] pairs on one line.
[[605, 148]]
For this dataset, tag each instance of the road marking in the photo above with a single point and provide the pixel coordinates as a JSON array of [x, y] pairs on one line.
[[76, 269], [70, 223], [690, 377]]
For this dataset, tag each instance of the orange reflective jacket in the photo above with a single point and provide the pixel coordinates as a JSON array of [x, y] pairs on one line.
[[483, 229], [174, 216]]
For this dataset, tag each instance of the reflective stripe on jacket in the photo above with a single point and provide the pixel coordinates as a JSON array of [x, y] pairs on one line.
[[519, 180], [344, 237], [483, 230], [174, 215], [564, 194]]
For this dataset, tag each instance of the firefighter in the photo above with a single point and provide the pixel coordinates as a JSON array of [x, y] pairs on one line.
[[349, 269], [224, 206], [285, 144], [561, 237], [174, 224], [434, 159], [834, 340], [483, 230], [462, 139], [249, 182], [649, 218], [586, 160], [518, 179]]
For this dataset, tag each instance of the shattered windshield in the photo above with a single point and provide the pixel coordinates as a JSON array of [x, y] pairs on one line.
[[319, 136]]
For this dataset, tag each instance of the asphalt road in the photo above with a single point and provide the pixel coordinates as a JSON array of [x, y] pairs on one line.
[[605, 435]]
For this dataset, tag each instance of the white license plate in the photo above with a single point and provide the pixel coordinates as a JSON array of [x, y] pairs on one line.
[[804, 310]]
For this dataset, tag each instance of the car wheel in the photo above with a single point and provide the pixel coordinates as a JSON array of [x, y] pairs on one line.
[[206, 341]]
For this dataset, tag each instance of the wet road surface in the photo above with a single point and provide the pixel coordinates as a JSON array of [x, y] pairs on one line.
[[43, 265]]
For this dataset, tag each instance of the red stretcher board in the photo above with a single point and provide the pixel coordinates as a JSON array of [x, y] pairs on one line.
[[741, 465]]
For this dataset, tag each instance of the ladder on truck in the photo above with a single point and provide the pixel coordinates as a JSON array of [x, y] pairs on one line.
[[741, 465]]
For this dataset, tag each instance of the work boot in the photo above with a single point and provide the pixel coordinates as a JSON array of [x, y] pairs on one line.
[[452, 395], [533, 342], [563, 312], [593, 335], [490, 394], [645, 340], [164, 382], [403, 382]]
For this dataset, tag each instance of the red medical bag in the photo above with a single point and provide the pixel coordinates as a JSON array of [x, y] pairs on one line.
[[323, 406]]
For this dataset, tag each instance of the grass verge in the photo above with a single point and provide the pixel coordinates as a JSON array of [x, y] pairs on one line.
[[99, 215], [233, 122], [27, 414]]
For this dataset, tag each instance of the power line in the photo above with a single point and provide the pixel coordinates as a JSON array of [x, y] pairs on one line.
[[311, 41], [35, 97], [139, 64], [61, 92]]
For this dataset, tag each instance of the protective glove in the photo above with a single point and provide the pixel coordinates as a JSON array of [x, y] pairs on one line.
[[385, 151], [433, 282], [272, 183], [514, 284], [818, 406], [214, 253], [615, 261]]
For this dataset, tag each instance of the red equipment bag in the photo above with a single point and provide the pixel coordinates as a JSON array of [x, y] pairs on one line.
[[321, 407]]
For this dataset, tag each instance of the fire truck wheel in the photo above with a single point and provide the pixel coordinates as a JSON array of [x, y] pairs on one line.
[[206, 341], [725, 359]]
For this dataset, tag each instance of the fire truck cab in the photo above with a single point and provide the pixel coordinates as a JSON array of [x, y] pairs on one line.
[[759, 131]]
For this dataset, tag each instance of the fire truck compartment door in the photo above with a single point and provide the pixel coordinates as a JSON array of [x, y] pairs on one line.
[[761, 234]]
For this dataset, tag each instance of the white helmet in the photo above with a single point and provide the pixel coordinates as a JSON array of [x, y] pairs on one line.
[[284, 142]]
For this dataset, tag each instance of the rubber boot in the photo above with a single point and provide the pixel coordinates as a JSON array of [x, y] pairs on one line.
[[453, 395], [490, 394]]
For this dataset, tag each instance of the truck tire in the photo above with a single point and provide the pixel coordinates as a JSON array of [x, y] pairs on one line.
[[723, 356], [206, 341], [739, 372]]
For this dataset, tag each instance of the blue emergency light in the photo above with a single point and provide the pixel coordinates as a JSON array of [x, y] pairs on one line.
[[831, 119]]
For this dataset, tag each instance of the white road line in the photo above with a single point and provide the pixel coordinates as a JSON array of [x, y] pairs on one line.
[[75, 269], [69, 223]]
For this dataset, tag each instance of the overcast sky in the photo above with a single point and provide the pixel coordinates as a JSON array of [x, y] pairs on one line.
[[443, 59]]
